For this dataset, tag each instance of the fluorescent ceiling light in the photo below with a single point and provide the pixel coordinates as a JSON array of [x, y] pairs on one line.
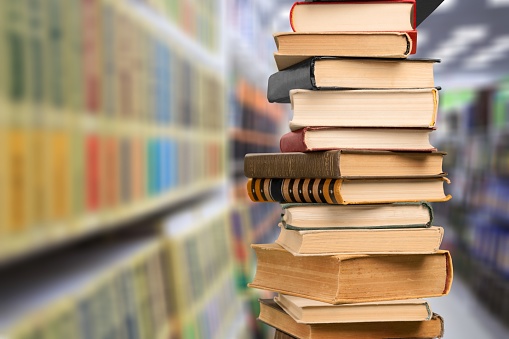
[[497, 3], [470, 33]]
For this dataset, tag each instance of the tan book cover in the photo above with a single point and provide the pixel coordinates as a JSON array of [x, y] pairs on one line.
[[365, 241], [273, 315], [339, 279]]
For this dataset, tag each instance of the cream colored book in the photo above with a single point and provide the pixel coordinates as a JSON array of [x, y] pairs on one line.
[[307, 311], [365, 241], [303, 217], [364, 108]]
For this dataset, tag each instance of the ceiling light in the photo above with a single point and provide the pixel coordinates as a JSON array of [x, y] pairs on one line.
[[497, 3], [470, 33]]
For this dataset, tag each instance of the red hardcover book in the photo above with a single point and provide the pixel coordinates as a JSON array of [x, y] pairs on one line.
[[368, 138], [354, 16]]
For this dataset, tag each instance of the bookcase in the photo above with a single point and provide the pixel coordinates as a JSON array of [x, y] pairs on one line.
[[100, 121], [473, 130], [114, 117], [255, 126]]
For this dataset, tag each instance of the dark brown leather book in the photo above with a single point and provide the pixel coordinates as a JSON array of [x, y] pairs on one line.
[[338, 164], [355, 278], [273, 315]]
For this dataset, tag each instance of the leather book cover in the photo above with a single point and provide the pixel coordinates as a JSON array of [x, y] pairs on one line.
[[322, 164], [322, 190], [295, 141], [302, 76]]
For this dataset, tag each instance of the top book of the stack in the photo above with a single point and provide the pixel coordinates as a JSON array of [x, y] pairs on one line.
[[376, 29]]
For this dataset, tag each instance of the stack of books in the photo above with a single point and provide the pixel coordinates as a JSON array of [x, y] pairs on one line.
[[357, 251]]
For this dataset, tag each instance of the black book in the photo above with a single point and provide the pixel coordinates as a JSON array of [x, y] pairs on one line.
[[424, 8], [334, 73]]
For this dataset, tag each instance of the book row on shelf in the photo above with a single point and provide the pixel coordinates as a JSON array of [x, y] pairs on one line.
[[198, 19], [174, 281], [474, 136], [89, 138]]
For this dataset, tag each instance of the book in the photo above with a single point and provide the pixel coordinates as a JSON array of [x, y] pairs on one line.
[[303, 217], [347, 191], [343, 164], [365, 241], [355, 278], [273, 315], [282, 335], [364, 108], [293, 47], [346, 16], [321, 73], [307, 311], [424, 8], [362, 138]]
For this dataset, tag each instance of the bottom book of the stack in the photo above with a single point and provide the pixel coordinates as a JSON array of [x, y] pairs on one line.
[[431, 325]]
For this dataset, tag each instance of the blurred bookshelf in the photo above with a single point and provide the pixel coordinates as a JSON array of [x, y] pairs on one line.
[[118, 133], [474, 132]]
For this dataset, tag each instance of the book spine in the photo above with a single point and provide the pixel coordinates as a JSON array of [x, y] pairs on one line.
[[295, 190], [293, 165], [294, 141], [412, 35], [297, 77]]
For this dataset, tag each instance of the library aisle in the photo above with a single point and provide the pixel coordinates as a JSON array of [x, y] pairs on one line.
[[123, 130], [465, 316]]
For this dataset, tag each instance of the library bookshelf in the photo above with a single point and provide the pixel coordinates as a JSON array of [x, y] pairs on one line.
[[114, 118], [474, 131]]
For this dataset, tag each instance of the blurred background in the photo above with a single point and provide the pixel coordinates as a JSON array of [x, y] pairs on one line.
[[123, 127]]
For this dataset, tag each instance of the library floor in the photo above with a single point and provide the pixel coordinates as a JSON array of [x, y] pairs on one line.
[[465, 317]]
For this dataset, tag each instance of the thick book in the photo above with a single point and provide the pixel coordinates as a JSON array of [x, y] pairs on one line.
[[273, 315], [424, 8], [282, 335], [364, 108], [307, 311], [346, 16], [357, 138], [347, 191], [293, 47], [321, 73], [365, 241], [304, 217], [355, 278], [343, 164]]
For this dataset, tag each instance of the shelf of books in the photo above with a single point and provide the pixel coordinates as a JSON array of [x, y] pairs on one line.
[[111, 113], [255, 126], [99, 120], [474, 133]]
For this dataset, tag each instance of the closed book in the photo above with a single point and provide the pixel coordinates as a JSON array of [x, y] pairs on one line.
[[347, 191], [365, 241], [354, 138], [423, 9], [354, 278], [328, 73], [364, 108], [273, 315], [282, 335], [343, 164], [355, 16], [307, 311], [293, 47], [302, 217]]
